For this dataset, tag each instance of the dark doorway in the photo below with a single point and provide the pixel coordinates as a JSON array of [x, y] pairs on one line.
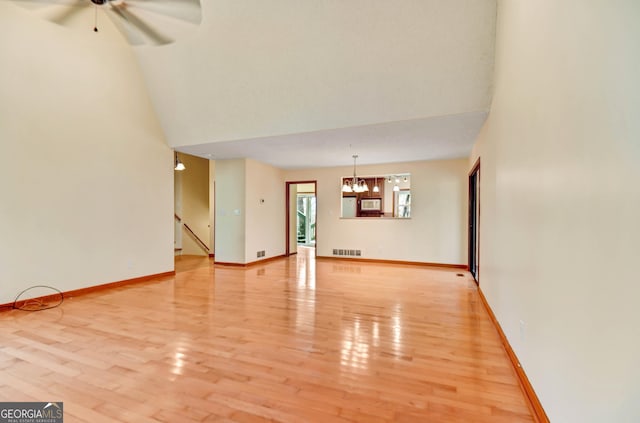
[[474, 221]]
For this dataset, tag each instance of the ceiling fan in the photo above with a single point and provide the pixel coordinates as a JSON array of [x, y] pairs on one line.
[[138, 20]]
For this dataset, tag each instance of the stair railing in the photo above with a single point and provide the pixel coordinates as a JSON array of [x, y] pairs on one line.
[[200, 242]]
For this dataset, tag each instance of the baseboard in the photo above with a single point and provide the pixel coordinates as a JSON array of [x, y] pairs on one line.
[[532, 399], [88, 290], [230, 264], [211, 255], [252, 263], [413, 263]]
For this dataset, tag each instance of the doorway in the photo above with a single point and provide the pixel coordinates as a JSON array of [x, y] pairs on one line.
[[193, 206], [301, 225], [306, 219], [474, 221]]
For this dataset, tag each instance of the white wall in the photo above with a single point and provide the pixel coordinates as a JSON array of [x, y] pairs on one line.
[[560, 202], [86, 177], [265, 221], [293, 217], [435, 233], [212, 206], [230, 199], [250, 211], [305, 188]]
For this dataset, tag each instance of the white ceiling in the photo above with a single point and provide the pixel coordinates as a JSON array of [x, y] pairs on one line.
[[308, 83], [445, 137]]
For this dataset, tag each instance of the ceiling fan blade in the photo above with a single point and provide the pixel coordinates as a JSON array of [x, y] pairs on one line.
[[134, 28], [129, 31], [71, 10], [185, 10]]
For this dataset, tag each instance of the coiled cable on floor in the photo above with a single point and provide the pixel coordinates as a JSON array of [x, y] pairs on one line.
[[38, 304]]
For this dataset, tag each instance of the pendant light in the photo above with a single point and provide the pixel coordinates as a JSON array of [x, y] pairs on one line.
[[178, 163]]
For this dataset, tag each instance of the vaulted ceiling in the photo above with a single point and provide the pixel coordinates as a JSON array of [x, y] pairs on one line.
[[308, 83]]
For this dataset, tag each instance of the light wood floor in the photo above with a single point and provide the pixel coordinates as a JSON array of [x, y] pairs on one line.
[[293, 340]]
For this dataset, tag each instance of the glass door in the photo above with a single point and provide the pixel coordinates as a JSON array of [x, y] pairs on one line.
[[306, 219]]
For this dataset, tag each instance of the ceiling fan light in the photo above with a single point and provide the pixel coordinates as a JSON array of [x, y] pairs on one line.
[[376, 188]]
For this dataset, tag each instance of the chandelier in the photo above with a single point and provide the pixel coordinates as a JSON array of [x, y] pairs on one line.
[[355, 184]]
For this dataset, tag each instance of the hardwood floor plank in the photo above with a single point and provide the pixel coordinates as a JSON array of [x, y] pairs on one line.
[[290, 340]]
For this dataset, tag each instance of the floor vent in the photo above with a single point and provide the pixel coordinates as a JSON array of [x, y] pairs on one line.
[[460, 275], [348, 253]]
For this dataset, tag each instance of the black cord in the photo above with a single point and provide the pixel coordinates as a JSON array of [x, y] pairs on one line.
[[36, 304], [95, 18]]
